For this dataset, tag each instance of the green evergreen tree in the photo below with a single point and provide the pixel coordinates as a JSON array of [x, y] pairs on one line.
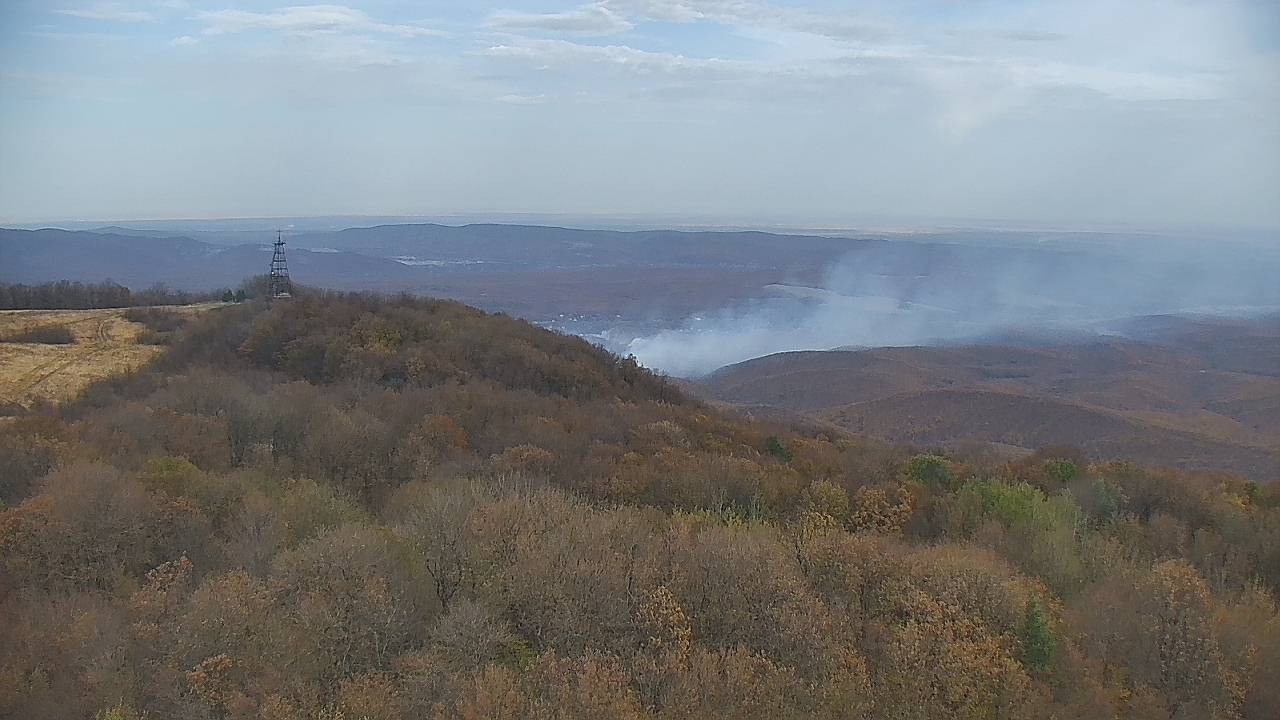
[[779, 449], [1039, 646]]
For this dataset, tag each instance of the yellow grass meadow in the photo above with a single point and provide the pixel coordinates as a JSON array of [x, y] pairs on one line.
[[106, 345]]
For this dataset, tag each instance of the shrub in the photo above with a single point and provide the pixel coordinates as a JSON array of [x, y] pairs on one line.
[[1061, 470], [161, 325], [778, 449], [45, 335], [932, 471]]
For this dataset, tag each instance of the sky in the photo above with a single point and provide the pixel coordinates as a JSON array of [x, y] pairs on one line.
[[1087, 112]]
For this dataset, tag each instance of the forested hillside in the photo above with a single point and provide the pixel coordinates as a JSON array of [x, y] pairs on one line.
[[1192, 393], [347, 506]]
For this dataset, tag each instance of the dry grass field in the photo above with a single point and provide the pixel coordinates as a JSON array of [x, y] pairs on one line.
[[106, 344]]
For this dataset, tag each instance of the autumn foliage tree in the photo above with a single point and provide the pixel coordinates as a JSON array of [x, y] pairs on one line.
[[351, 506]]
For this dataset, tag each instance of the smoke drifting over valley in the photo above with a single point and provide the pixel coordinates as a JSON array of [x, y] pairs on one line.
[[903, 293], [688, 302]]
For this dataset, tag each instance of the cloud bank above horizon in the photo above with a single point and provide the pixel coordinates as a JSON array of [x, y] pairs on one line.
[[763, 111]]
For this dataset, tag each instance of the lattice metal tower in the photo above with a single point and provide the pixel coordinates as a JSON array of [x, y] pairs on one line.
[[280, 285]]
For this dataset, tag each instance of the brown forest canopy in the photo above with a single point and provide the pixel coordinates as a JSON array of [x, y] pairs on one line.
[[347, 506]]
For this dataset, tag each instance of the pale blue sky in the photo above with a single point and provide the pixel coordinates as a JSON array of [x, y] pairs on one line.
[[819, 112]]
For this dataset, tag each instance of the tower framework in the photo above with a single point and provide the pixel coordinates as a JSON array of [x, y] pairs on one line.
[[280, 286]]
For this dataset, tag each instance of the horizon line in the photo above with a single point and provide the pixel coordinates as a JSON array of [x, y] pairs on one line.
[[633, 221]]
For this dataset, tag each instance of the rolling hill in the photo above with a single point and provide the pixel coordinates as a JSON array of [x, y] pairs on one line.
[[1179, 392], [352, 506]]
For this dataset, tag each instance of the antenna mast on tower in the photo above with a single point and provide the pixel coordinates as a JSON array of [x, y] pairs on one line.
[[280, 286]]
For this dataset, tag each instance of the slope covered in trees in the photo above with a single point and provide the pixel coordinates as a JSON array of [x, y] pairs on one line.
[[1193, 393], [357, 507]]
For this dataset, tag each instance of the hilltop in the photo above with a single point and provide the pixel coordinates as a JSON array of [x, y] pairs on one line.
[[392, 508]]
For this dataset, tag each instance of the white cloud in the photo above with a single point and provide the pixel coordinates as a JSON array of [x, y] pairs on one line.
[[110, 12], [341, 52], [846, 25], [562, 53], [970, 74], [305, 19], [1120, 84], [595, 19], [683, 11], [515, 99], [941, 109]]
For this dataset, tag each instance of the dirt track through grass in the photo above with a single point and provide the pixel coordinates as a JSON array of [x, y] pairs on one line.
[[106, 345]]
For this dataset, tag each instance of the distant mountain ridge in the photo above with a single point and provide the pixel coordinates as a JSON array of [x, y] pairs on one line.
[[618, 285], [534, 271], [33, 256], [530, 246], [519, 246]]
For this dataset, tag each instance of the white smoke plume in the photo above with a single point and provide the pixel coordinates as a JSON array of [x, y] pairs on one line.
[[905, 293]]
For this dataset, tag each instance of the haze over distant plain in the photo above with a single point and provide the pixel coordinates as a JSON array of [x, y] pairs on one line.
[[1134, 113]]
